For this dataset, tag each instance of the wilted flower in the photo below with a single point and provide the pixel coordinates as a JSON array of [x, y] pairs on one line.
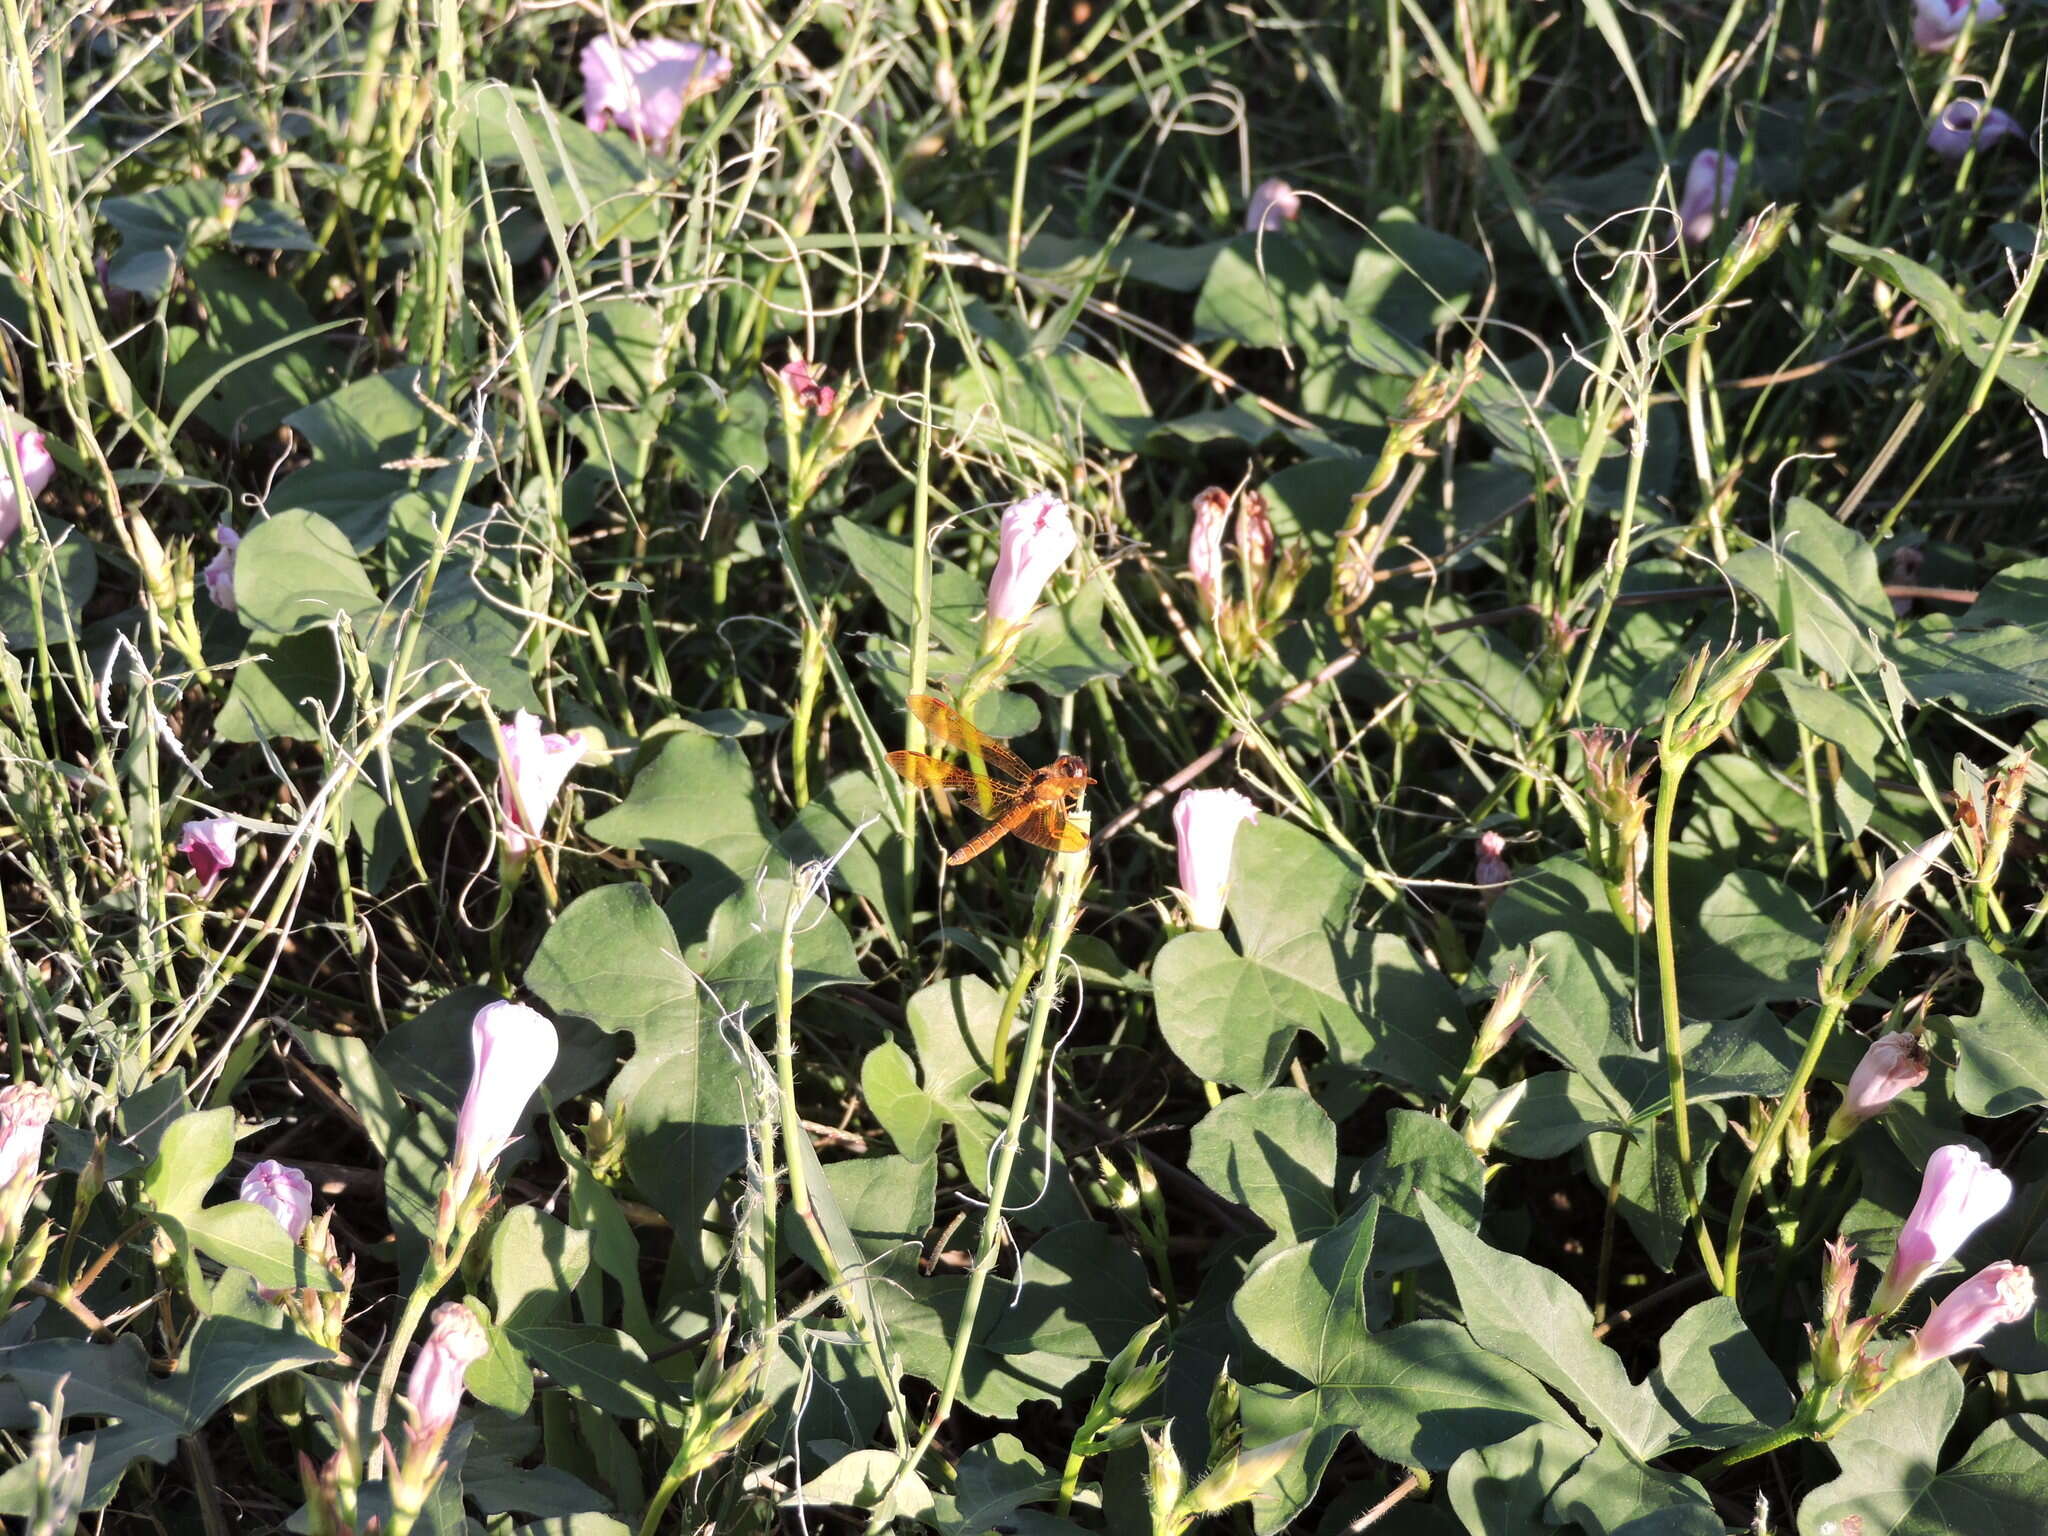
[[1958, 127], [219, 574], [1998, 1294], [210, 845], [235, 195], [512, 1050], [1273, 205], [25, 1109], [1205, 822], [1709, 189], [1255, 537], [803, 379], [1490, 867], [1958, 1194], [283, 1191], [1035, 539], [1893, 1064], [643, 87], [37, 468], [531, 771], [1205, 547], [1938, 23], [434, 1388]]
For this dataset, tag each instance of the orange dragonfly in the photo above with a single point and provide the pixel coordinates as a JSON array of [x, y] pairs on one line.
[[1031, 802]]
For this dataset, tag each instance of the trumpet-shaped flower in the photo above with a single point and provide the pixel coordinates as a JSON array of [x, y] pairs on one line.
[[1273, 205], [534, 766], [1205, 823], [1958, 1194], [1998, 1294], [37, 468], [210, 846], [512, 1050], [219, 574], [1034, 541], [1963, 123], [1709, 189], [642, 88], [283, 1191], [434, 1387], [1938, 23], [1893, 1064], [25, 1109]]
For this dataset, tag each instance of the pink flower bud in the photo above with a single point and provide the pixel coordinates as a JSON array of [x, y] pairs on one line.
[[37, 468], [25, 1108], [1899, 882], [642, 88], [512, 1050], [531, 772], [1957, 128], [1273, 205], [1205, 547], [803, 380], [1958, 1194], [284, 1192], [1255, 536], [1709, 189], [1998, 1294], [1036, 537], [219, 574], [1490, 869], [1893, 1064], [1206, 821], [1938, 23], [434, 1388], [210, 845]]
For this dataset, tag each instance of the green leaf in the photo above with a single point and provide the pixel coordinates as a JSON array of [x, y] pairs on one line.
[[247, 1237], [296, 572], [1844, 719], [1987, 671], [599, 1366], [602, 181], [194, 1149], [1714, 1386], [694, 802], [734, 946], [2001, 1047], [869, 1481], [1406, 281], [1819, 580], [1754, 942], [230, 373], [1274, 1152], [1423, 1156], [1082, 1293], [1611, 1493], [414, 1146], [70, 572], [1064, 648], [1504, 1489], [1266, 292], [365, 424], [536, 1263], [612, 957], [275, 690], [994, 1480], [888, 1081]]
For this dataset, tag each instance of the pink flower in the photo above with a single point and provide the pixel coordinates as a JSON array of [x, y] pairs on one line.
[[1957, 128], [1893, 1064], [512, 1050], [37, 467], [25, 1108], [210, 845], [1205, 822], [1273, 205], [803, 379], [531, 772], [1958, 1194], [1205, 547], [1255, 537], [284, 1192], [1036, 537], [1709, 188], [643, 87], [219, 574], [434, 1388], [1938, 23], [1490, 869], [1998, 1294]]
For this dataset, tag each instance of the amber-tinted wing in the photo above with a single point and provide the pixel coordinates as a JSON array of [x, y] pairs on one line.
[[1048, 827], [930, 773], [945, 724]]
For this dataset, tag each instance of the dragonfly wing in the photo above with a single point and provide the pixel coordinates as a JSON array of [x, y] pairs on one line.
[[1048, 827], [946, 725], [1015, 816], [930, 773]]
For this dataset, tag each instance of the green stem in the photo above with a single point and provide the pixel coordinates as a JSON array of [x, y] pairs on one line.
[[1030, 116], [1823, 1027], [1761, 1446]]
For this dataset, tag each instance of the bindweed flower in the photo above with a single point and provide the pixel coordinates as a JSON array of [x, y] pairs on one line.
[[512, 1050], [219, 574], [1958, 1194], [1205, 548], [25, 1109], [1900, 881], [804, 382], [1938, 23], [283, 1191], [1274, 205], [434, 1388], [1036, 536], [210, 846], [1256, 540], [1998, 1294], [37, 468], [1490, 868], [1205, 823], [1709, 189], [531, 771], [1962, 124], [1893, 1064], [642, 88]]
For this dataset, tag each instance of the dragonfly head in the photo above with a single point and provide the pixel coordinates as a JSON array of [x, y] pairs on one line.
[[1074, 769]]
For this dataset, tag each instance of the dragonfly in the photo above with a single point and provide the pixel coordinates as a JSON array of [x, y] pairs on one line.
[[1031, 802]]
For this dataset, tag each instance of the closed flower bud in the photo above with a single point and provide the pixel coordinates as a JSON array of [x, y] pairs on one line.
[[1998, 1294], [1938, 23], [1205, 823], [1239, 1477], [283, 1191], [1709, 189], [1205, 548], [1958, 1194], [210, 847], [37, 469], [434, 1388], [1963, 124], [159, 574], [512, 1050], [1035, 539], [1484, 1128], [1899, 882], [1490, 868], [642, 88], [532, 768], [219, 574], [1708, 695], [1893, 1064], [1274, 205]]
